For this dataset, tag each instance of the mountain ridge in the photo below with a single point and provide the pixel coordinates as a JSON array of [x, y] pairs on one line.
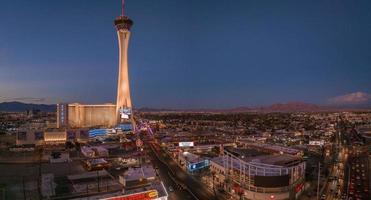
[[294, 106], [16, 106]]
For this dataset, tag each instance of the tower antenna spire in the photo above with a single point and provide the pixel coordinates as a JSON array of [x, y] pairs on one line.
[[123, 7]]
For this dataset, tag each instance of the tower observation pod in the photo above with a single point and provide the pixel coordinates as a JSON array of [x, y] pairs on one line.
[[124, 109]]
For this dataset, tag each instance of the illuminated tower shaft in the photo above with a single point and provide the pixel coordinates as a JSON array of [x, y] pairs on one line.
[[123, 103]]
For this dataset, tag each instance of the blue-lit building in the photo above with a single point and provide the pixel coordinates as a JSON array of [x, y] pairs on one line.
[[192, 162], [100, 132]]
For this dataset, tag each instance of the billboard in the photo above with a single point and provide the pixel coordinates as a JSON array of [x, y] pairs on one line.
[[98, 132], [147, 195], [271, 181], [317, 142], [186, 144]]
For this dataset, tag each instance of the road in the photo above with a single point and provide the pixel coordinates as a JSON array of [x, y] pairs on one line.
[[197, 188], [162, 170], [335, 185], [359, 176], [349, 177], [334, 188]]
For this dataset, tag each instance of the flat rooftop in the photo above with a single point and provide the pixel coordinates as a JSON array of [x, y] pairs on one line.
[[244, 153], [277, 160], [275, 148], [144, 172], [190, 157]]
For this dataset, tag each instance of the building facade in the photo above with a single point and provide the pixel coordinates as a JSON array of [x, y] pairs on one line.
[[262, 177]]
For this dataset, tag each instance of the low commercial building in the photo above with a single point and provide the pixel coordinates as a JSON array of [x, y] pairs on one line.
[[41, 137], [93, 182], [141, 183], [192, 162], [96, 151], [55, 136], [138, 176], [260, 177]]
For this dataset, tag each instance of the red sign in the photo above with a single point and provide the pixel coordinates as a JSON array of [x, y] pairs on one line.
[[238, 189], [147, 195], [299, 187], [139, 143]]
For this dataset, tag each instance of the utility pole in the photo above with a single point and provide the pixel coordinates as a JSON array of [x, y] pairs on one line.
[[319, 176]]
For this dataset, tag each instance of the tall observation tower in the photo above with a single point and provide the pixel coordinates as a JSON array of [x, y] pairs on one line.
[[124, 111]]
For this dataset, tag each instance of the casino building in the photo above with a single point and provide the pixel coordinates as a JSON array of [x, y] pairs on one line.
[[84, 116], [105, 115]]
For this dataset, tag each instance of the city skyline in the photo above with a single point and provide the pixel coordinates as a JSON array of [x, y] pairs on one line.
[[185, 99], [189, 54]]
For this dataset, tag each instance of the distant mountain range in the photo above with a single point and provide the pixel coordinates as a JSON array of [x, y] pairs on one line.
[[16, 106], [279, 107]]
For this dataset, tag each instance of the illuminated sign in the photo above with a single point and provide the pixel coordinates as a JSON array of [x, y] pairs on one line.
[[126, 111], [139, 143], [199, 165], [317, 142], [147, 195], [186, 144], [124, 116], [299, 187], [99, 132]]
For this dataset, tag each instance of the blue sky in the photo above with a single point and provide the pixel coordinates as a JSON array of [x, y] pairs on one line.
[[187, 53]]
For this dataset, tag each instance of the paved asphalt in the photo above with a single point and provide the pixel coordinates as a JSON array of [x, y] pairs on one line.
[[198, 189], [178, 193]]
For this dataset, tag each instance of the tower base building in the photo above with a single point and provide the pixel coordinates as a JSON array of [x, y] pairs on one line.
[[106, 115]]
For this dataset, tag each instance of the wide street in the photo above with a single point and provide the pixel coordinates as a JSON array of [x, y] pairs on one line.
[[197, 188], [162, 170]]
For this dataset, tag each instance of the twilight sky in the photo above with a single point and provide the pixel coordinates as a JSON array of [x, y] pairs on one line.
[[188, 53]]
